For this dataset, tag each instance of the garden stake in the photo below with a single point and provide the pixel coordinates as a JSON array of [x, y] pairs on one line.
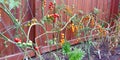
[[99, 54]]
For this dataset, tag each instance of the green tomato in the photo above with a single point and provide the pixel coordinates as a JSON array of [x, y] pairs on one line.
[[29, 44], [20, 45], [24, 45]]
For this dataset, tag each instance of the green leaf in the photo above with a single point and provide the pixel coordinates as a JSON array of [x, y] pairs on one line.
[[13, 4], [66, 47], [96, 11], [29, 44], [1, 1], [76, 54]]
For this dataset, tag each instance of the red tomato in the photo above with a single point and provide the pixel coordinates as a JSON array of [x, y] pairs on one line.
[[36, 48], [17, 40], [56, 15]]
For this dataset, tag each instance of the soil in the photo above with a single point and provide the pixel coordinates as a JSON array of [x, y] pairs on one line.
[[105, 54]]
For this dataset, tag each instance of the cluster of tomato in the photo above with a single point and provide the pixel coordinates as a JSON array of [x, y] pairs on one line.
[[74, 27], [102, 31], [62, 41], [24, 45], [51, 6], [90, 21], [53, 17]]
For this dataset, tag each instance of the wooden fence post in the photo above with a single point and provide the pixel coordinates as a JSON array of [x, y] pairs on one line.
[[113, 12], [32, 12], [114, 8]]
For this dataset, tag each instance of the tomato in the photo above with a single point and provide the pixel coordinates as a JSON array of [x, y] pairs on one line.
[[62, 41], [36, 48], [92, 23], [56, 15], [98, 26], [17, 40], [73, 27], [62, 35], [51, 3]]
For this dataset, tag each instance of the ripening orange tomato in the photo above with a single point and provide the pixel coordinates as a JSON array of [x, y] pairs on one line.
[[98, 26], [81, 27], [76, 28], [85, 20], [101, 30], [73, 27], [92, 23], [62, 36], [62, 41]]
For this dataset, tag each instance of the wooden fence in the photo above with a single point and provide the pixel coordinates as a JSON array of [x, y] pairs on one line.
[[32, 8]]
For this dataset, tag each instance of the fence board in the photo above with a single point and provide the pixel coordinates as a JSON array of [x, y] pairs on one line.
[[86, 5], [106, 11], [12, 49]]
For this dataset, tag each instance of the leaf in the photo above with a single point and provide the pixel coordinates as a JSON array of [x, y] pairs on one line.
[[13, 4], [66, 47], [76, 54], [96, 10], [1, 1]]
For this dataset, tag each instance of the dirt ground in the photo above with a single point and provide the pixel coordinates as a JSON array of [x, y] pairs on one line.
[[105, 54]]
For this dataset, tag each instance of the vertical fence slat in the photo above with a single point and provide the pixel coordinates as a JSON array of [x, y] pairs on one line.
[[107, 8]]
